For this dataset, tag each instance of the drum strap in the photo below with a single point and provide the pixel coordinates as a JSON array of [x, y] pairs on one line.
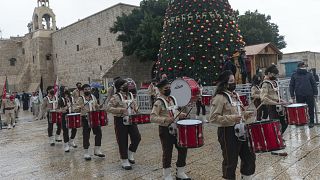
[[168, 108], [274, 86], [91, 108], [53, 102], [227, 95], [121, 97]]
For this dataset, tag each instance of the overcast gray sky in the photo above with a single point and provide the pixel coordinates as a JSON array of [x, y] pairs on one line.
[[298, 20]]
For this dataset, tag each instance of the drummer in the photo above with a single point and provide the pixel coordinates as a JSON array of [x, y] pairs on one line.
[[86, 104], [65, 104], [262, 111], [162, 116], [271, 98], [120, 105], [224, 113]]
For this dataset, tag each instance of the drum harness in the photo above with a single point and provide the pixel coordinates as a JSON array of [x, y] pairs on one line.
[[173, 112], [276, 88], [129, 108], [240, 128]]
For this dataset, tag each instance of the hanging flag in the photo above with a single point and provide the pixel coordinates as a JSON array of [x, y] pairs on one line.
[[56, 88], [5, 88]]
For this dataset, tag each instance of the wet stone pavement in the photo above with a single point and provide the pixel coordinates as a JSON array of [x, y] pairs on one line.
[[26, 154]]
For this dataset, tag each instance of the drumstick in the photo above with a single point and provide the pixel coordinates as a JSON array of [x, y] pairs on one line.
[[189, 111], [179, 113]]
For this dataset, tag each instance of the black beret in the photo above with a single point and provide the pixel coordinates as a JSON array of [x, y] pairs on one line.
[[49, 88], [119, 82], [85, 86], [272, 69], [162, 83]]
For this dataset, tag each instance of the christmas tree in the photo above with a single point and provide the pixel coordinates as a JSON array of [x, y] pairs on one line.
[[197, 35]]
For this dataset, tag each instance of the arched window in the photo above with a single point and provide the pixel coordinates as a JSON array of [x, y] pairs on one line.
[[13, 61]]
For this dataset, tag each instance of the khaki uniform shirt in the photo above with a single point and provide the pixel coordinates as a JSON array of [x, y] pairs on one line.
[[49, 104], [222, 112], [255, 92], [269, 93], [110, 93], [160, 114], [7, 103], [83, 105], [116, 105], [76, 94]]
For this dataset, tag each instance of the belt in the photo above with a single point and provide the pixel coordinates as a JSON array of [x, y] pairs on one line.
[[8, 108]]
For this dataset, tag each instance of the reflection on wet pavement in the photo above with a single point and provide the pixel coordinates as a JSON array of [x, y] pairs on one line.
[[26, 154]]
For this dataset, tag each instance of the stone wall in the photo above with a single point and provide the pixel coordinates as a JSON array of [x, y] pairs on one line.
[[130, 67], [77, 54]]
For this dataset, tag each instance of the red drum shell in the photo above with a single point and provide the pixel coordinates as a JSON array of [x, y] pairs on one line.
[[139, 119], [73, 120], [297, 114], [55, 117], [190, 133], [97, 118], [244, 100], [206, 99], [265, 136]]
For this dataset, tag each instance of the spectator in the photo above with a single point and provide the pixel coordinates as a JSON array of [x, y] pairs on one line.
[[303, 88]]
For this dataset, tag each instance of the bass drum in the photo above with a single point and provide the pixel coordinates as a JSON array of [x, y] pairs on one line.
[[185, 90]]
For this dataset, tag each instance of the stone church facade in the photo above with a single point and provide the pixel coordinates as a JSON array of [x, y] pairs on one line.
[[84, 51]]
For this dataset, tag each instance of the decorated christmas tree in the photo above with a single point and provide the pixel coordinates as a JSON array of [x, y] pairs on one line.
[[197, 35]]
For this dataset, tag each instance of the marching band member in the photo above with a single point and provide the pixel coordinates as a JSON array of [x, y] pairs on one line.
[[66, 103], [271, 98], [225, 107], [162, 115], [111, 90], [120, 105], [262, 112], [153, 91], [200, 105], [51, 103], [87, 103], [9, 106], [78, 92]]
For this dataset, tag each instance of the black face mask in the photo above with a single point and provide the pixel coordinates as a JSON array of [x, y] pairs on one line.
[[79, 88], [125, 89], [67, 93], [86, 93], [167, 92], [231, 87], [273, 78], [51, 92]]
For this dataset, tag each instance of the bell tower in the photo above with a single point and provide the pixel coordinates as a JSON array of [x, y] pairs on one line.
[[43, 17]]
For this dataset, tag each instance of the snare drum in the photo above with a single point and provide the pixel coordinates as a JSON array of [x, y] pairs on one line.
[[190, 133], [97, 118], [244, 100], [265, 136], [55, 117], [139, 119], [185, 90], [206, 99], [73, 120], [297, 114]]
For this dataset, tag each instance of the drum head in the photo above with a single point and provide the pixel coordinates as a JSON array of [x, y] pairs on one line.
[[181, 90], [189, 122], [206, 95], [296, 105], [73, 114]]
